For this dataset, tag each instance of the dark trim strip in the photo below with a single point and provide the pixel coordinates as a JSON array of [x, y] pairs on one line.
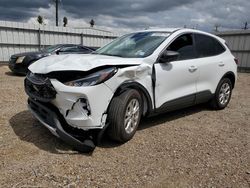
[[235, 33], [153, 84], [183, 102], [57, 32], [18, 45], [178, 103], [33, 45], [240, 51]]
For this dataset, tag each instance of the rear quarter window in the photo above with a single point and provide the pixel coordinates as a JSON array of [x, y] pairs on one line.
[[207, 46]]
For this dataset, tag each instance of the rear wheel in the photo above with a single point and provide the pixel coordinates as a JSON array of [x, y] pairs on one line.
[[222, 95], [124, 115]]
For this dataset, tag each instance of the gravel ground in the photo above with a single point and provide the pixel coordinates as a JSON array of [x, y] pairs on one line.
[[195, 147]]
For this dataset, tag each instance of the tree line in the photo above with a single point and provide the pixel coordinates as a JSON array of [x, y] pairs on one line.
[[40, 20]]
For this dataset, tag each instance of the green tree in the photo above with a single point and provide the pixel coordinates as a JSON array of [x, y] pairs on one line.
[[40, 19], [92, 23], [245, 26], [65, 21], [216, 27]]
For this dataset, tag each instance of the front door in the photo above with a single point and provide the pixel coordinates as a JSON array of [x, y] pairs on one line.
[[175, 85]]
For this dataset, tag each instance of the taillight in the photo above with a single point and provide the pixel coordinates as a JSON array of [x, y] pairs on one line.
[[236, 61]]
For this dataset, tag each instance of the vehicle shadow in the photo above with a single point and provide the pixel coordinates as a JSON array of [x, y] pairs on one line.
[[158, 120], [171, 116], [28, 129], [9, 73]]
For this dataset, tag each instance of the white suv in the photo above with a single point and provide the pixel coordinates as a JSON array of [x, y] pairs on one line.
[[140, 74]]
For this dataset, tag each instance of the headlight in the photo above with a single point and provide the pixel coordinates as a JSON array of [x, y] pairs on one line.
[[20, 59], [94, 78]]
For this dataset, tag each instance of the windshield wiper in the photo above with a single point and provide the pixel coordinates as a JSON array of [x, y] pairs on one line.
[[116, 55]]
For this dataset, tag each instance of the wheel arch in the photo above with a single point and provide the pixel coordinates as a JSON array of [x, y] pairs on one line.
[[231, 76], [147, 101]]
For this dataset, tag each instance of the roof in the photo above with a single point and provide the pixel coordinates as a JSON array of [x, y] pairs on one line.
[[169, 30]]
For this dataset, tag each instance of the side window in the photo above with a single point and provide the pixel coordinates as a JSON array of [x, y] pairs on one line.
[[69, 49], [83, 50], [185, 46], [207, 46]]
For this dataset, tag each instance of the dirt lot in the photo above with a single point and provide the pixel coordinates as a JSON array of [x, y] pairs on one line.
[[194, 147]]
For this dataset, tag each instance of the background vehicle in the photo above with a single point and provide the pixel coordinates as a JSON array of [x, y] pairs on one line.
[[140, 74], [19, 63]]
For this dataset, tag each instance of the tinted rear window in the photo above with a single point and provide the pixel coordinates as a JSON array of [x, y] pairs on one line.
[[207, 46]]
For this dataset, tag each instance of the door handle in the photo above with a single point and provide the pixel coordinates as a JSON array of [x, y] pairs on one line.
[[221, 64], [192, 68]]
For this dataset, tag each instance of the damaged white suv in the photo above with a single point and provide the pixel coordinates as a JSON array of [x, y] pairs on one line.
[[140, 74]]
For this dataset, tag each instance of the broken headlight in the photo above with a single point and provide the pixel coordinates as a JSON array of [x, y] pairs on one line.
[[94, 78]]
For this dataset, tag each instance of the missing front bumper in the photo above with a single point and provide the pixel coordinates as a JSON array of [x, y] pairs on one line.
[[51, 119]]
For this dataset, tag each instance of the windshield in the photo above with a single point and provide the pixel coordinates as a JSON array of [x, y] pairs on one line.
[[135, 45], [51, 48]]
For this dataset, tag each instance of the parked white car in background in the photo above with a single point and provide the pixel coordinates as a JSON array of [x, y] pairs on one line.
[[140, 74]]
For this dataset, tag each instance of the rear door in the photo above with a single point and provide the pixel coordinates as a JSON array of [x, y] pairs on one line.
[[176, 81], [213, 61]]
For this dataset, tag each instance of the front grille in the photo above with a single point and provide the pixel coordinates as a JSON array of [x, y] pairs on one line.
[[39, 87], [44, 114]]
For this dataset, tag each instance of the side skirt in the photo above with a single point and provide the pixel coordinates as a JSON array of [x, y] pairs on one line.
[[183, 102]]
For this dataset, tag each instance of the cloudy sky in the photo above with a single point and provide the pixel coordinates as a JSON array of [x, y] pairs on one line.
[[126, 15]]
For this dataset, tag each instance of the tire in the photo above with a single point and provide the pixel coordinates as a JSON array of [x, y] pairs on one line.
[[222, 95], [123, 118]]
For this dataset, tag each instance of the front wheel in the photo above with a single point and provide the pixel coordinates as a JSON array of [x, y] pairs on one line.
[[222, 95], [124, 115]]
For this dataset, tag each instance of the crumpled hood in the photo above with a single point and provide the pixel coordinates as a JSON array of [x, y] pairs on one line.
[[78, 62]]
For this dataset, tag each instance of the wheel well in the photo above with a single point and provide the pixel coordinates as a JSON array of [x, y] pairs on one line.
[[147, 102], [231, 77]]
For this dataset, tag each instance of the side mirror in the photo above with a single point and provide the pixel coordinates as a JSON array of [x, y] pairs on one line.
[[168, 56], [58, 52]]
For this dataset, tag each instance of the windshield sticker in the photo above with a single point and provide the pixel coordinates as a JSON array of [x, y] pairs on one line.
[[140, 53]]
